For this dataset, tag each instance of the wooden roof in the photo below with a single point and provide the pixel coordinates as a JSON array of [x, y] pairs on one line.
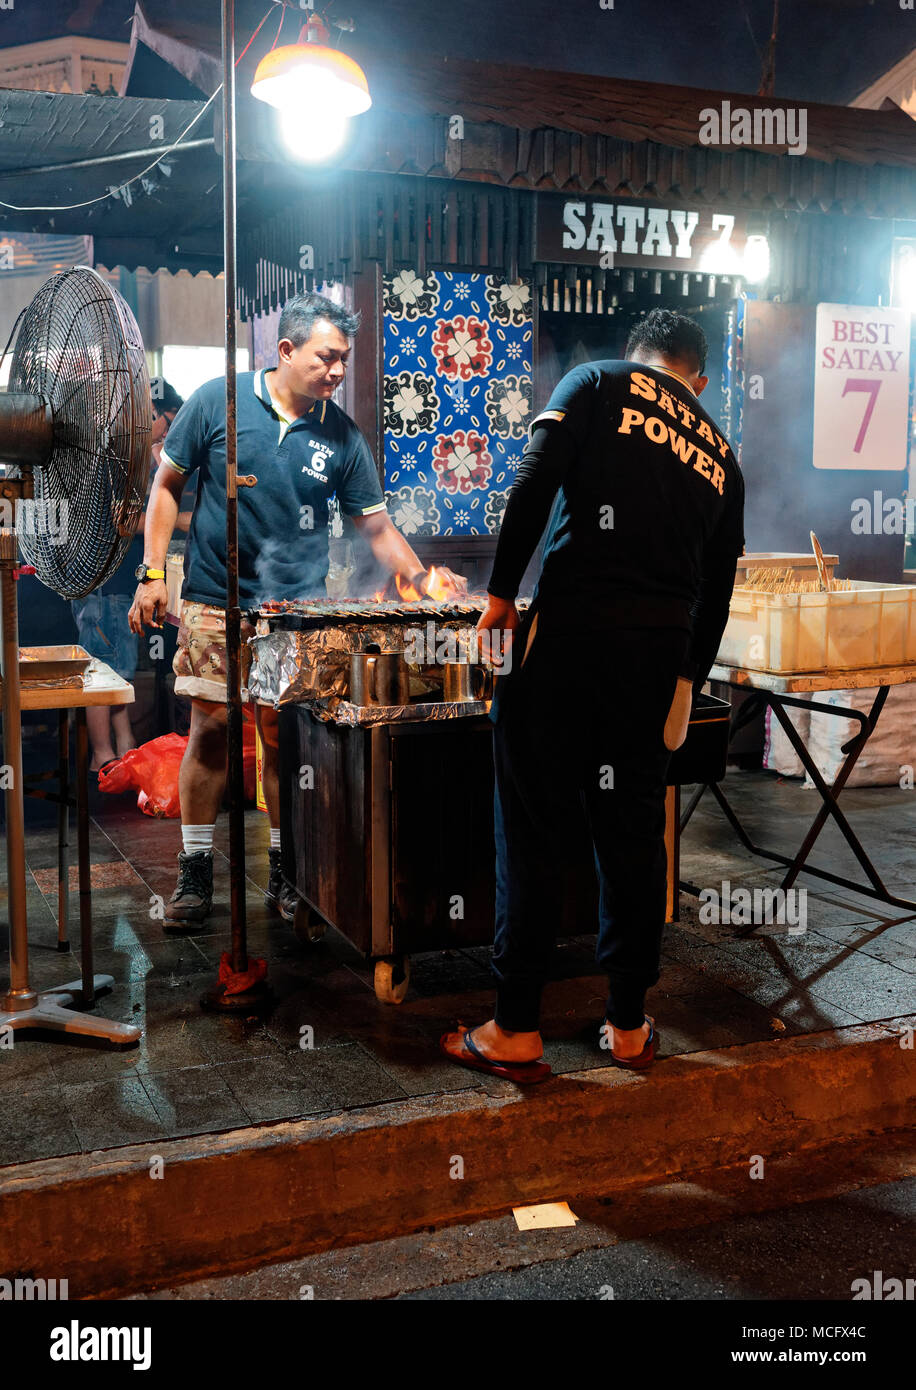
[[532, 99]]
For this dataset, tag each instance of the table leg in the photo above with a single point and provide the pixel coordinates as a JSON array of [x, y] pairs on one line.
[[82, 839], [672, 851], [63, 830], [829, 794], [853, 749]]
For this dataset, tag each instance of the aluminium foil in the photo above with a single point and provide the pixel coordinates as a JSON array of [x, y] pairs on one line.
[[314, 666]]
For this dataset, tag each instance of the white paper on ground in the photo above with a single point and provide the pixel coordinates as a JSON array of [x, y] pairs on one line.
[[543, 1215]]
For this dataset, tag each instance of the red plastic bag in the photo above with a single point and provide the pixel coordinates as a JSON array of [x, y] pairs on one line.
[[249, 760], [153, 770]]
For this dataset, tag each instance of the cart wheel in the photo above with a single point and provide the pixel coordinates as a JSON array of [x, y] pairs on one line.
[[392, 976], [307, 925]]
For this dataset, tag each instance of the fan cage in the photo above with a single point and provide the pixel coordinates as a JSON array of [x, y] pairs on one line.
[[79, 349]]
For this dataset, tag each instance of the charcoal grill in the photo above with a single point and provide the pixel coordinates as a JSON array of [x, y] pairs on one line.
[[302, 615]]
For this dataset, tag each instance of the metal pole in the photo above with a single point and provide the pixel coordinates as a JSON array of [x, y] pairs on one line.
[[63, 830], [236, 779], [20, 995], [87, 967]]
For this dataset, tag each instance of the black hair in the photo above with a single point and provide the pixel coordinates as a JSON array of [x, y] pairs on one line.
[[301, 313], [165, 397], [671, 335]]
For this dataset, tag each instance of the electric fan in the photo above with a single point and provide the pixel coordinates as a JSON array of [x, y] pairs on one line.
[[75, 429]]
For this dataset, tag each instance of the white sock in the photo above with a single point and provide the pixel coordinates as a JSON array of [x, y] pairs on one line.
[[197, 837], [274, 838]]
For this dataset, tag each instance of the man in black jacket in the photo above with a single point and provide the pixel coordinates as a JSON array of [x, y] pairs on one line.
[[633, 597]]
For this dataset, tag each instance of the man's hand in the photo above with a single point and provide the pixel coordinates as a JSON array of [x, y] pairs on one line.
[[149, 606], [500, 615], [447, 584]]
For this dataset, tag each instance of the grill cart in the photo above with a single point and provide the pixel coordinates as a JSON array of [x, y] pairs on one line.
[[387, 811]]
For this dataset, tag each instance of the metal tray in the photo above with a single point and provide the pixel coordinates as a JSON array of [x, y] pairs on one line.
[[52, 663]]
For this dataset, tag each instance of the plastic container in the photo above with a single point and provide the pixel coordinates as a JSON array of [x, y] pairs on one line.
[[867, 625]]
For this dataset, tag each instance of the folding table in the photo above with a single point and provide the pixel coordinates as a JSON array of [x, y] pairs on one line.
[[780, 692]]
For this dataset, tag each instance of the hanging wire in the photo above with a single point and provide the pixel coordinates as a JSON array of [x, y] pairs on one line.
[[252, 39], [116, 191], [747, 20], [279, 27], [9, 341]]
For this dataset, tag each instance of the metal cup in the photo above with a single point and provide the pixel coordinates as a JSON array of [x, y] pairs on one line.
[[379, 678], [463, 681]]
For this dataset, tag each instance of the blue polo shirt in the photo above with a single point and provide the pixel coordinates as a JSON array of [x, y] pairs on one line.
[[283, 520]]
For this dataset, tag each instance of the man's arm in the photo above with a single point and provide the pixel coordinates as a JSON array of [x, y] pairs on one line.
[[542, 470], [149, 605], [712, 608], [391, 550]]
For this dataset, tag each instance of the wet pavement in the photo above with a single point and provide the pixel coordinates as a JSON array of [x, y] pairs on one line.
[[328, 1044]]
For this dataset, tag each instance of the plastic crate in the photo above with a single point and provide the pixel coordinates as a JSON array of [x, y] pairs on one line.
[[868, 625]]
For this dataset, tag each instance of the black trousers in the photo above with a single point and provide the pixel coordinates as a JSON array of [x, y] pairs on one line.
[[579, 754]]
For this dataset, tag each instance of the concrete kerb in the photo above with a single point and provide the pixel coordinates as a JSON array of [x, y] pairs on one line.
[[225, 1202]]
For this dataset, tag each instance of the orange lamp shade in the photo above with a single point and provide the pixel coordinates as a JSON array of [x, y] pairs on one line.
[[301, 73]]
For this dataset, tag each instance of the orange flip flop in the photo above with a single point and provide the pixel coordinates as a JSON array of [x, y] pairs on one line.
[[523, 1073], [643, 1059]]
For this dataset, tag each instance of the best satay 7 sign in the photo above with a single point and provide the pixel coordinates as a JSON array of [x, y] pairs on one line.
[[861, 387]]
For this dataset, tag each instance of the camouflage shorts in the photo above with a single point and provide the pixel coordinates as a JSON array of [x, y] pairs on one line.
[[200, 662]]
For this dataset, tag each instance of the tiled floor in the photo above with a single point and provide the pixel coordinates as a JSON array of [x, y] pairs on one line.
[[193, 1072]]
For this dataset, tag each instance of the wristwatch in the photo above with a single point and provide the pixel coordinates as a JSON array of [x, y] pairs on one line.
[[143, 572]]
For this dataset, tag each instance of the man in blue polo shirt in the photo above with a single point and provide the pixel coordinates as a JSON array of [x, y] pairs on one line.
[[301, 449]]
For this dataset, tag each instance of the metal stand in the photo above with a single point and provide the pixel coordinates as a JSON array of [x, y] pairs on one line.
[[258, 995], [63, 831], [829, 796], [22, 1007]]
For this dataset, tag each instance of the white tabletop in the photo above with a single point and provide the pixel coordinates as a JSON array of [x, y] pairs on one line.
[[802, 682]]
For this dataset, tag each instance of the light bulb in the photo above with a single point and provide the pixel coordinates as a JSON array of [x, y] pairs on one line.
[[311, 134], [905, 277], [756, 262], [720, 260]]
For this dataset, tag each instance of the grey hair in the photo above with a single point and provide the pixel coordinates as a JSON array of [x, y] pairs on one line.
[[300, 314]]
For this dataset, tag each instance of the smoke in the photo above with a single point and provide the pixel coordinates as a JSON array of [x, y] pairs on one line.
[[283, 570]]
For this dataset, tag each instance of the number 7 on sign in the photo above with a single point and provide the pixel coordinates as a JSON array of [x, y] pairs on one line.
[[854, 383]]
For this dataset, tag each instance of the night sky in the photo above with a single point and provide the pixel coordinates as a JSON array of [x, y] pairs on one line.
[[829, 50]]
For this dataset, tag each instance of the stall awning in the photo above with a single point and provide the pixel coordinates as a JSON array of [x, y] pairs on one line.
[[59, 152]]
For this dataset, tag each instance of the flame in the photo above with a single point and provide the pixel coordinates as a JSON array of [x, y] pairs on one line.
[[437, 587], [407, 591]]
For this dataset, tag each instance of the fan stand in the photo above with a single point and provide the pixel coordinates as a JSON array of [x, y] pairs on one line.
[[22, 1007]]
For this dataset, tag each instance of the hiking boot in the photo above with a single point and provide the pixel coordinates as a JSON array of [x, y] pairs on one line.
[[192, 899], [279, 894]]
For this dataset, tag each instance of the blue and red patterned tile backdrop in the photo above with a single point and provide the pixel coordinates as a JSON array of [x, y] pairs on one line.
[[457, 398]]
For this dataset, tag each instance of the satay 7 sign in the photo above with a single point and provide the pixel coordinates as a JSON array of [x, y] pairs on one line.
[[861, 387]]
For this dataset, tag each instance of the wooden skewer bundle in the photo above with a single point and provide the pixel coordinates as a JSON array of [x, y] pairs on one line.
[[767, 580]]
